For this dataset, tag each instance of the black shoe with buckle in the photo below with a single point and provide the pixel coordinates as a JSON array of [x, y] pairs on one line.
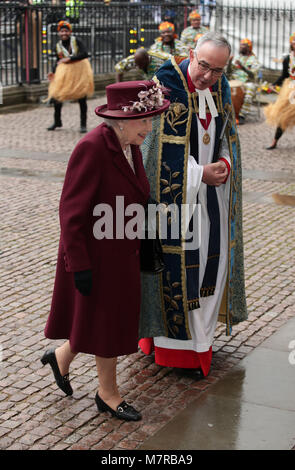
[[123, 411], [62, 381]]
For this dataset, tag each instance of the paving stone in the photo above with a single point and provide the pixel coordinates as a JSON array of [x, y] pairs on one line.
[[34, 413], [104, 444], [127, 444]]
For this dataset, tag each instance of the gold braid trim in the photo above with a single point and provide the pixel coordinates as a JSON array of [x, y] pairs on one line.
[[193, 304], [206, 291], [170, 139], [225, 315], [176, 250], [163, 305], [219, 108], [164, 138]]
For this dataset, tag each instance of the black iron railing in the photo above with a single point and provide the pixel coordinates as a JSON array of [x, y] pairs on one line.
[[28, 33], [267, 23]]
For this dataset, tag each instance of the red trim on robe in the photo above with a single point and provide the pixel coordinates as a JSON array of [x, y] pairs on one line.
[[205, 122], [228, 168], [180, 358]]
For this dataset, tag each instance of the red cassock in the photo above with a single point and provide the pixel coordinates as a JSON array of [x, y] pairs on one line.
[[180, 358], [106, 322]]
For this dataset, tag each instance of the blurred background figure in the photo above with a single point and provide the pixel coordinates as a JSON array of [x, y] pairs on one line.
[[168, 42], [170, 16], [73, 9], [245, 68], [72, 78], [188, 34], [206, 8], [147, 61], [282, 112]]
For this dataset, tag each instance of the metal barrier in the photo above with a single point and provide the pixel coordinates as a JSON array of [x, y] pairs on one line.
[[268, 24], [28, 33]]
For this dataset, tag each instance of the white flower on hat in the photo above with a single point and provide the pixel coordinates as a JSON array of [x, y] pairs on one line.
[[148, 100]]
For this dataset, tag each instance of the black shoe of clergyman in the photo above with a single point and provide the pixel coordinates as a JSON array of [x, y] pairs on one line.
[[83, 130], [123, 411], [62, 381], [195, 374], [54, 126]]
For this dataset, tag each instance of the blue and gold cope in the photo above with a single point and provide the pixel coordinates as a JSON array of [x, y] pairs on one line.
[[167, 297]]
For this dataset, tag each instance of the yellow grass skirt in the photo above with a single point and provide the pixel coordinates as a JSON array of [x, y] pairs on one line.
[[282, 112], [72, 81]]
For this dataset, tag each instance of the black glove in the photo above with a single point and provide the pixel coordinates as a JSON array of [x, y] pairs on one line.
[[83, 281]]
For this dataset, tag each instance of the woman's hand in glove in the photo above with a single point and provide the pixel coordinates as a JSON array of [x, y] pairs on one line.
[[83, 282]]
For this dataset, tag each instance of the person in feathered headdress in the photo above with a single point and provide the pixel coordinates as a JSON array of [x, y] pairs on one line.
[[282, 112], [168, 42], [72, 77], [245, 68], [188, 34]]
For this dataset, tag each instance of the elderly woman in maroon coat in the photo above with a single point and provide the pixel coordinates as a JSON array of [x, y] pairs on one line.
[[96, 298]]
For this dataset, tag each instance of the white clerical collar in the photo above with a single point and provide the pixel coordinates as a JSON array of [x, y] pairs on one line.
[[205, 95]]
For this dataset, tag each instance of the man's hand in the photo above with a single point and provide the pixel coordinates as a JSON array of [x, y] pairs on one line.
[[239, 65], [214, 174], [50, 76]]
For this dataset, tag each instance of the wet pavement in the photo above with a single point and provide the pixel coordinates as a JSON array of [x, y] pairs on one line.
[[252, 407], [251, 374]]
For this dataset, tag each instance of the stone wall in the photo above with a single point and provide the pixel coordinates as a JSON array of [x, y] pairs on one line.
[[20, 95]]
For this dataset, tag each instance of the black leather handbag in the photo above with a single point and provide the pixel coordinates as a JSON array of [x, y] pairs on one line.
[[151, 252], [151, 255]]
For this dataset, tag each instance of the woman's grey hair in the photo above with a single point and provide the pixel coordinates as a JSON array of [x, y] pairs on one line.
[[216, 38], [109, 122], [114, 122]]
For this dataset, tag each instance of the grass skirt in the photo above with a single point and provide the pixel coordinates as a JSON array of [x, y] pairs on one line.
[[282, 112], [72, 81]]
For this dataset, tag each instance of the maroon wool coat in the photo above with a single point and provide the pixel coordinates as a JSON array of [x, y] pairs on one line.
[[106, 322]]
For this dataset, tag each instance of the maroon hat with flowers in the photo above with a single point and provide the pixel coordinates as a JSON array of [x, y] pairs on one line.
[[133, 100]]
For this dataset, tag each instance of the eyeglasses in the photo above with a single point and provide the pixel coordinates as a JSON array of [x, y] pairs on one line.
[[205, 68]]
